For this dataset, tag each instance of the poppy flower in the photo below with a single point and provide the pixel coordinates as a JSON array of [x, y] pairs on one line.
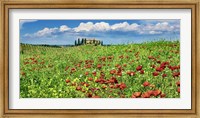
[[178, 89], [90, 79], [96, 96], [145, 95], [137, 94], [111, 86], [122, 86], [99, 66], [162, 95], [150, 92], [164, 75], [153, 66], [119, 74], [150, 57], [178, 83], [86, 84], [113, 80], [155, 73], [156, 92], [23, 73], [94, 73], [176, 74], [112, 72], [78, 88], [73, 70], [133, 96], [139, 68], [131, 73], [104, 87], [67, 80], [86, 73], [146, 84], [159, 69], [141, 71]]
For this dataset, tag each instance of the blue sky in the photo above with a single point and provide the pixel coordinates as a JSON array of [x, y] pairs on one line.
[[63, 32]]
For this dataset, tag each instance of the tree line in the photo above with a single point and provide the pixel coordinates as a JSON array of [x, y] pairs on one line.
[[83, 41]]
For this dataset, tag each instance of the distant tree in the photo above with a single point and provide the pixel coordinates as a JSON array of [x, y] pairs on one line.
[[79, 42], [75, 43], [82, 41], [101, 42]]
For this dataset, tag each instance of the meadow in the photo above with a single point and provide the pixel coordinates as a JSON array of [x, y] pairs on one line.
[[146, 70]]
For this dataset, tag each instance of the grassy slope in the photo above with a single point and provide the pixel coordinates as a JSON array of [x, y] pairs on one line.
[[46, 77]]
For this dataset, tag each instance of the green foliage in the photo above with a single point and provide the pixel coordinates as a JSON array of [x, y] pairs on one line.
[[44, 71]]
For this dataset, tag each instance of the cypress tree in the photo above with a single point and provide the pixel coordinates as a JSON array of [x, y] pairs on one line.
[[101, 42], [75, 43], [82, 41], [79, 41]]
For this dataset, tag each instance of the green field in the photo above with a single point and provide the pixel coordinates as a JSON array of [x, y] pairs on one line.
[[146, 70]]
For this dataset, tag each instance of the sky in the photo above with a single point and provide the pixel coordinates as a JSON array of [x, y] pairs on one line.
[[65, 32]]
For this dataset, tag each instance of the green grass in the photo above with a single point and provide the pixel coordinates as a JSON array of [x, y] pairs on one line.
[[43, 72]]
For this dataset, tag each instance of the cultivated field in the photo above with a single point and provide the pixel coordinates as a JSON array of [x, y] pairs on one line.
[[146, 70]]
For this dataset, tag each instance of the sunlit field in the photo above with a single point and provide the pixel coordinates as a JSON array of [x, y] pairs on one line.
[[147, 70]]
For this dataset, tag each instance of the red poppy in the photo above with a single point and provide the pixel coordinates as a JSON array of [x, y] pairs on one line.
[[133, 96], [119, 74], [111, 86], [178, 90], [122, 86], [23, 73], [176, 74], [67, 80], [145, 95], [159, 69], [137, 94], [139, 68], [164, 75], [96, 97], [78, 88], [104, 87], [153, 66], [112, 72], [86, 84], [146, 84], [141, 71], [90, 79], [86, 73], [156, 92], [155, 73], [150, 57], [73, 70], [94, 73], [99, 66], [131, 73], [162, 95], [150, 92], [178, 83]]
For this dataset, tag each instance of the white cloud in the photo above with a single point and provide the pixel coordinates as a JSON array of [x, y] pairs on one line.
[[46, 32], [125, 26], [25, 21], [93, 28], [89, 26], [64, 28], [155, 32]]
